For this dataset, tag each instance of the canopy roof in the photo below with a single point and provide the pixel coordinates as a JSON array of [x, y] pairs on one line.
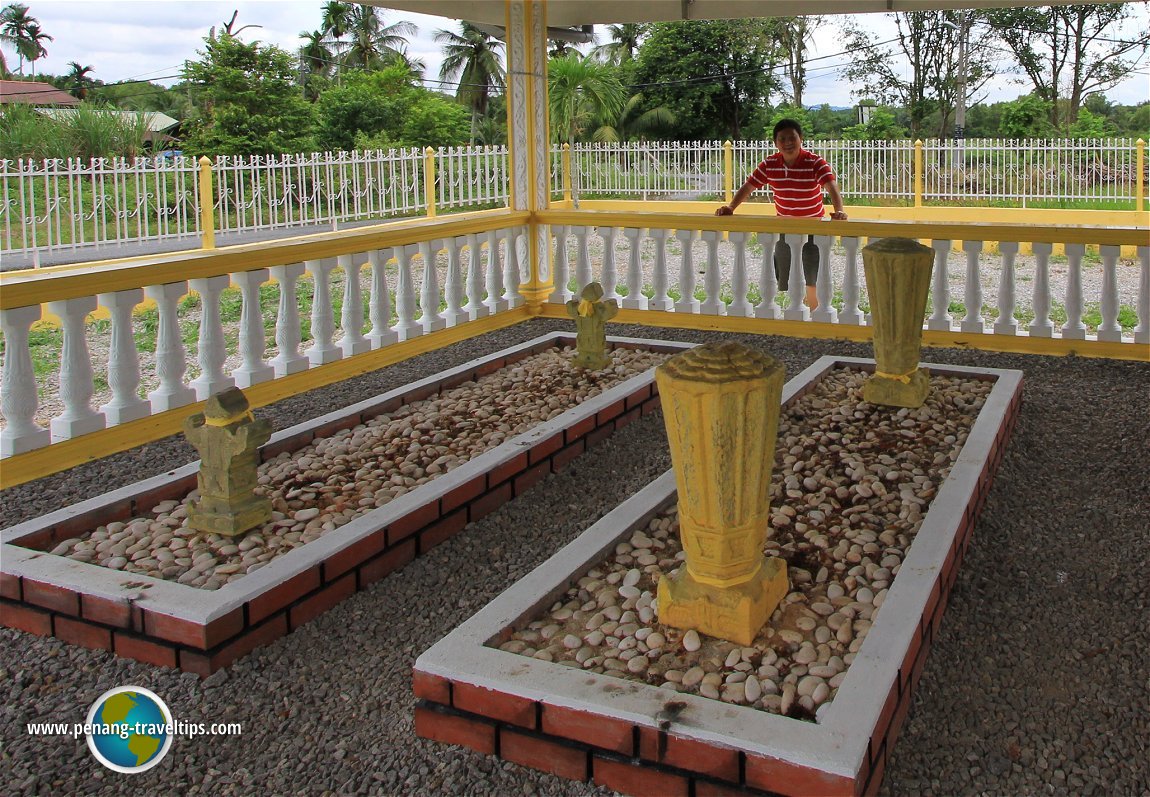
[[572, 13]]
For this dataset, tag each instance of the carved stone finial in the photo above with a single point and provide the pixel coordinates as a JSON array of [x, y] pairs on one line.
[[591, 315]]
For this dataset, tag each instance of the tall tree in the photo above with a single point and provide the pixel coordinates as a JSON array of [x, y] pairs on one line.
[[32, 46], [632, 121], [580, 89], [624, 43], [794, 35], [1068, 52], [370, 43], [14, 23], [77, 79], [474, 58]]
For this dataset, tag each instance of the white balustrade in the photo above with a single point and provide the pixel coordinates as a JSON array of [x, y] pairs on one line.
[[634, 299], [740, 305], [288, 338], [171, 357], [1142, 331], [323, 349], [18, 397], [609, 278], [1006, 323], [660, 301], [940, 292], [351, 312], [123, 359], [475, 308], [406, 326], [1074, 329], [583, 273], [1041, 326], [824, 283], [429, 317], [212, 350], [561, 294], [453, 284], [1109, 330], [688, 303], [768, 282], [713, 304], [379, 310], [494, 302], [511, 252], [973, 298], [253, 343], [796, 282], [851, 313], [76, 388]]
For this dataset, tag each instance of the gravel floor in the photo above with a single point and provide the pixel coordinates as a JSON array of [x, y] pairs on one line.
[[1037, 683]]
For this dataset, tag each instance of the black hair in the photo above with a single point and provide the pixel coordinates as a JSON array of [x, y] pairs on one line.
[[787, 124]]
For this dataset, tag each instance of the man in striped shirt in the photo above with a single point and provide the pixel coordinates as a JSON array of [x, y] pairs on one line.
[[797, 179]]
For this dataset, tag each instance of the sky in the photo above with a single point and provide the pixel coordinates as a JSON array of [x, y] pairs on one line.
[[150, 40]]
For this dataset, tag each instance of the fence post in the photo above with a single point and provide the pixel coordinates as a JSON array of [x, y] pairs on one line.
[[918, 173], [728, 172], [1140, 180], [566, 172], [207, 206], [429, 181]]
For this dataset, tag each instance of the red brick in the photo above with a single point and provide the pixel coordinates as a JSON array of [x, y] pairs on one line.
[[290, 443], [691, 754], [884, 719], [24, 618], [174, 489], [566, 455], [566, 761], [490, 367], [706, 788], [489, 502], [79, 524], [545, 448], [412, 522], [392, 559], [630, 416], [874, 779], [610, 412], [529, 478], [108, 611], [579, 429], [600, 434], [445, 529], [204, 664], [897, 721], [145, 650], [438, 726], [77, 632], [464, 493], [935, 621], [50, 596], [919, 663], [40, 540], [332, 427], [784, 777], [9, 586], [637, 780], [311, 608], [512, 467], [283, 594], [605, 732], [931, 603], [637, 398], [494, 704], [194, 635], [652, 405], [354, 555], [908, 659], [431, 687]]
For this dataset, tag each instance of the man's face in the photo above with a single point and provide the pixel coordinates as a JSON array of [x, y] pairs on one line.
[[789, 142]]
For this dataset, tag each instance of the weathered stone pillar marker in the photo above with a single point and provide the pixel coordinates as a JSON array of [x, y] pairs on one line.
[[721, 408], [897, 280], [591, 315], [227, 438]]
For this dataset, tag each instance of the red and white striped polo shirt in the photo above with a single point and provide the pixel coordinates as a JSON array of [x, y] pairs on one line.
[[797, 190]]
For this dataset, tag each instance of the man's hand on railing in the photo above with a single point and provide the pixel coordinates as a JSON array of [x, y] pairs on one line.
[[725, 210], [839, 215]]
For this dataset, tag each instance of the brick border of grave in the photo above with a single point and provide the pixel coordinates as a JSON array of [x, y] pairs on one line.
[[607, 730], [201, 631]]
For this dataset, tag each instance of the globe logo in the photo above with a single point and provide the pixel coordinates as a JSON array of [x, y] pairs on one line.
[[129, 729]]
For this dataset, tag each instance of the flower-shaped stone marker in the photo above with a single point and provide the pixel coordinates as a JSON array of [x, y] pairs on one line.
[[591, 315]]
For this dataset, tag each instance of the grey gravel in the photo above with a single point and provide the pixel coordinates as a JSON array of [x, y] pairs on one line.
[[1036, 683]]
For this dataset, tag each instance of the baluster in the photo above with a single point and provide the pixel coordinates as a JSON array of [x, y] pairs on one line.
[[474, 307], [713, 304], [453, 285], [740, 306], [322, 349], [1142, 331], [212, 351], [824, 283], [405, 295], [511, 297], [18, 397], [687, 304], [583, 274], [768, 283], [429, 289], [610, 276], [1074, 329], [1109, 329], [1041, 327], [494, 275], [381, 333], [659, 279], [561, 293], [171, 358], [796, 288], [76, 377], [973, 321], [288, 360], [940, 292], [253, 344], [123, 359], [351, 313], [1006, 323], [634, 298], [851, 313]]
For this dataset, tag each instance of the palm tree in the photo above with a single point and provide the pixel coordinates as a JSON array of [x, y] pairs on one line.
[[580, 89], [372, 44], [474, 58], [14, 22], [79, 80], [32, 47], [315, 55], [624, 43], [627, 124]]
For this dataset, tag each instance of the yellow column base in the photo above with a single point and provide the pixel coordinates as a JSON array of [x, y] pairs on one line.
[[229, 519], [896, 393], [735, 613]]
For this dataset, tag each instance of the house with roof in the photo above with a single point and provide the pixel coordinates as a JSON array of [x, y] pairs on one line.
[[31, 92]]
